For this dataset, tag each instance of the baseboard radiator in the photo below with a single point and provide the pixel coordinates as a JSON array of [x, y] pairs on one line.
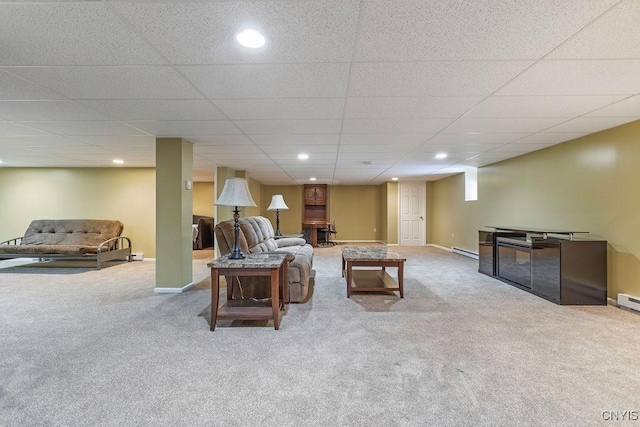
[[629, 301], [464, 252]]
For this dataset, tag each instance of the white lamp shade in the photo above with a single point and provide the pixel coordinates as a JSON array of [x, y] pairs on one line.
[[277, 202], [235, 193]]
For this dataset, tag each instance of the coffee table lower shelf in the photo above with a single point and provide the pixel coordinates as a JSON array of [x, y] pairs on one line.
[[372, 281]]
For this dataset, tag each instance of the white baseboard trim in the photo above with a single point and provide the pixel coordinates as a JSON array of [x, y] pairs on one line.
[[173, 290], [612, 301], [149, 259], [392, 244], [465, 252], [439, 247]]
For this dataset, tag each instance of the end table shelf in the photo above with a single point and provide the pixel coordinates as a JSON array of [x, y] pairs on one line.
[[273, 265]]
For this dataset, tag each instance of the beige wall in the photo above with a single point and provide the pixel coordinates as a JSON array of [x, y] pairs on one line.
[[588, 184], [356, 210], [290, 219], [203, 198], [392, 213], [125, 194]]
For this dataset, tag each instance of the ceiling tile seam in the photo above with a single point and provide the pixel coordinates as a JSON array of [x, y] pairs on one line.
[[354, 51], [177, 70]]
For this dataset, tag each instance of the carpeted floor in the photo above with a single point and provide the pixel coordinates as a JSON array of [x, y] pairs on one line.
[[80, 347]]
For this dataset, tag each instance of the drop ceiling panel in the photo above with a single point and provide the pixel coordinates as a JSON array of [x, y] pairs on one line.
[[433, 78], [540, 106], [550, 137], [15, 88], [47, 110], [270, 80], [272, 127], [506, 125], [520, 148], [14, 129], [591, 124], [455, 148], [377, 148], [86, 127], [394, 126], [219, 140], [203, 33], [34, 141], [409, 107], [278, 108], [157, 109], [312, 150], [295, 140], [76, 34], [366, 156], [179, 128], [384, 139], [116, 140], [626, 108], [615, 34], [577, 77], [476, 138], [228, 149], [110, 82], [413, 30]]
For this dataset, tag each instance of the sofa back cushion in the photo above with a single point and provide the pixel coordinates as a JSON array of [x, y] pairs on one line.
[[256, 235], [84, 232]]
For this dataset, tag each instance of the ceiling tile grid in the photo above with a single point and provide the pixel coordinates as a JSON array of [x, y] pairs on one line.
[[390, 83]]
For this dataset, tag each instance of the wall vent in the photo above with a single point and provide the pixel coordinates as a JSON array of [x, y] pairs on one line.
[[464, 252], [629, 301]]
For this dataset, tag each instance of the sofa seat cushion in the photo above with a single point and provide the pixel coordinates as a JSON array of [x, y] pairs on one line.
[[47, 249]]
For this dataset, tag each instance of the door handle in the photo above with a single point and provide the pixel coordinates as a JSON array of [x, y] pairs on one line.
[[422, 218]]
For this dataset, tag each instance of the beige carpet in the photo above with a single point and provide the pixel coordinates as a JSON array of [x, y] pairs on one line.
[[101, 348]]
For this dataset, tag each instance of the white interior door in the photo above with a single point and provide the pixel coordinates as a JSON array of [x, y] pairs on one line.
[[412, 206]]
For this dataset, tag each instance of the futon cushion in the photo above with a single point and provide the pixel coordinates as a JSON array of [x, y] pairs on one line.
[[71, 232]]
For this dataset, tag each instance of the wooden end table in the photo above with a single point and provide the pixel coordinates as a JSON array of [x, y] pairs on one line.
[[273, 265], [358, 256]]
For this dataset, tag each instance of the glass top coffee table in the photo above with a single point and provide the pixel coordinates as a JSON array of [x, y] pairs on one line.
[[371, 280]]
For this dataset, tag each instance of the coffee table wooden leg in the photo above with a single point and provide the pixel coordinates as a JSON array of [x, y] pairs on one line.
[[275, 301], [400, 278], [215, 297]]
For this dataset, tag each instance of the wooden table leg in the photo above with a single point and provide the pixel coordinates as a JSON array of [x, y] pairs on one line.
[[400, 277], [230, 287], [215, 297], [342, 265], [349, 273], [275, 301]]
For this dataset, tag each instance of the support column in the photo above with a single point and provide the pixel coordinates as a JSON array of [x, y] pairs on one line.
[[174, 215]]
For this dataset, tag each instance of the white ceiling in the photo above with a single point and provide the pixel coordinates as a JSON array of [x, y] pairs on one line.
[[346, 81]]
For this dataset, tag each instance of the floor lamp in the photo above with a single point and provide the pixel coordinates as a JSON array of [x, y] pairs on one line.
[[277, 203], [235, 193]]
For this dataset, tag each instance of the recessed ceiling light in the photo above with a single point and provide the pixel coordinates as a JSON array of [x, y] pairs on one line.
[[250, 38], [303, 156], [312, 179], [118, 161], [395, 178], [441, 156]]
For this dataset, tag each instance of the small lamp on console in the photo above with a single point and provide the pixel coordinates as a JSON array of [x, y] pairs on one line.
[[235, 193], [277, 203]]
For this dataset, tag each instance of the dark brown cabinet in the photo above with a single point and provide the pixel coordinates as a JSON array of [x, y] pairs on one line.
[[562, 270], [315, 195]]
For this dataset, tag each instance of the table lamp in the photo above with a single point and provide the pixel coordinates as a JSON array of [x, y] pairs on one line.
[[277, 203], [235, 193]]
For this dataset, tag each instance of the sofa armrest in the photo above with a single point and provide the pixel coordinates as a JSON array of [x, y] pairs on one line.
[[290, 241]]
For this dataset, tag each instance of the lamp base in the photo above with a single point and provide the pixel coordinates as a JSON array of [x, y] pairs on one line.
[[237, 255], [278, 233]]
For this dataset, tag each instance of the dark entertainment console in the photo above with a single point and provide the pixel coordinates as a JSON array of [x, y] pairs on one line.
[[551, 264]]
